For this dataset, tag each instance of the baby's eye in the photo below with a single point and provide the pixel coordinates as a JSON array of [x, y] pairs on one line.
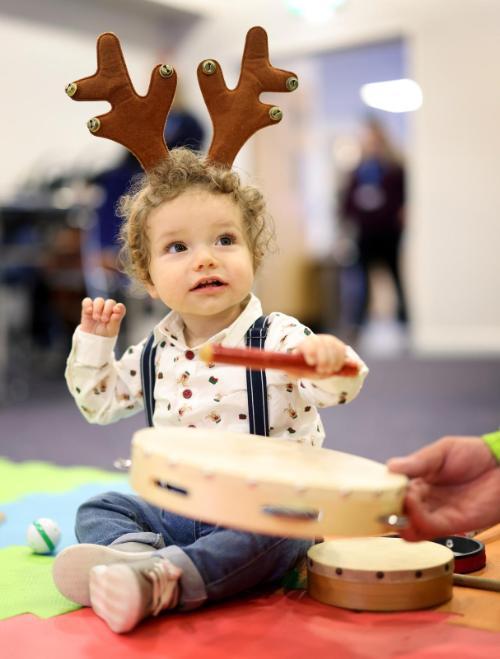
[[176, 247], [226, 239]]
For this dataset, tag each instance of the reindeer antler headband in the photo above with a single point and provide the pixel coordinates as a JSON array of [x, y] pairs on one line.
[[137, 122]]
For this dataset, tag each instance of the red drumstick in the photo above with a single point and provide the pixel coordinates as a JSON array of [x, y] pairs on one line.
[[261, 359]]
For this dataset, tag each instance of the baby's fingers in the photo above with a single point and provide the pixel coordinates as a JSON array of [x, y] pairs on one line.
[[336, 354], [98, 308], [117, 314], [325, 357], [101, 317], [325, 352], [87, 308], [86, 319], [107, 310]]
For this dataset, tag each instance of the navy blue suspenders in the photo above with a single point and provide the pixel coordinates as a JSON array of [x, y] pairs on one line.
[[148, 377], [256, 380]]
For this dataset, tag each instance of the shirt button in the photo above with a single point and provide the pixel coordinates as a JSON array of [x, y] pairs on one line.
[[187, 393], [189, 354]]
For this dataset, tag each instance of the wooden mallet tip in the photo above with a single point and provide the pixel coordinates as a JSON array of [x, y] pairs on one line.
[[207, 353]]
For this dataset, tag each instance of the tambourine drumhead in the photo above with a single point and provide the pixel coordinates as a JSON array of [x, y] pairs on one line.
[[380, 574], [263, 485]]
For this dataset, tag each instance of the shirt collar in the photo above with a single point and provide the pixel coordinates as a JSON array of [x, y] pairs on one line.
[[171, 327]]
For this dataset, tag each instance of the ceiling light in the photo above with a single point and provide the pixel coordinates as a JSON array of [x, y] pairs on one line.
[[314, 11], [392, 95]]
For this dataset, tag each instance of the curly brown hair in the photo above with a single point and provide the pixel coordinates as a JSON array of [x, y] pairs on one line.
[[182, 171]]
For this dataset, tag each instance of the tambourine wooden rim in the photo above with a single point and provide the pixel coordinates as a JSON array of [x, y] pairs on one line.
[[262, 484], [380, 574]]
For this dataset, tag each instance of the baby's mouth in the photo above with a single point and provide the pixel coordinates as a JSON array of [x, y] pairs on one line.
[[208, 283]]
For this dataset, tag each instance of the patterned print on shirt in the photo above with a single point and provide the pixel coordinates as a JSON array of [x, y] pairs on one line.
[[184, 378], [213, 416]]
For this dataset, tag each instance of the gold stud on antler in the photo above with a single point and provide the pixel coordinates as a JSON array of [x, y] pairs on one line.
[[275, 113], [71, 89], [292, 83], [209, 67], [166, 70], [93, 124]]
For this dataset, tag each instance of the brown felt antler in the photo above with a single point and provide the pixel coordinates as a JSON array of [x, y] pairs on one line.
[[238, 113], [137, 122]]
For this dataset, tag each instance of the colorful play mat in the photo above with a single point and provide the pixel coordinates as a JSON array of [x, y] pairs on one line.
[[36, 621]]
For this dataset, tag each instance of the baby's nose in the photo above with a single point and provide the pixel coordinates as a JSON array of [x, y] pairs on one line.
[[204, 259]]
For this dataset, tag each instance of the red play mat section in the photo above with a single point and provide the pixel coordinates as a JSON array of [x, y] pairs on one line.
[[277, 626]]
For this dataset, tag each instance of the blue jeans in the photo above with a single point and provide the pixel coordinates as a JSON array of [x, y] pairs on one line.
[[217, 562]]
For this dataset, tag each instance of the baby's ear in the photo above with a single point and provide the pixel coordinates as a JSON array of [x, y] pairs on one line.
[[151, 290]]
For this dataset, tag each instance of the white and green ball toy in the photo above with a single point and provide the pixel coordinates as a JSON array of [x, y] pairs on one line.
[[43, 535]]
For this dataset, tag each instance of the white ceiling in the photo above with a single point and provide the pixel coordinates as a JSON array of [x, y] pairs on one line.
[[196, 26], [355, 22]]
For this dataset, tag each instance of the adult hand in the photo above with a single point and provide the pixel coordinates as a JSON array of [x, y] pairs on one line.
[[455, 487]]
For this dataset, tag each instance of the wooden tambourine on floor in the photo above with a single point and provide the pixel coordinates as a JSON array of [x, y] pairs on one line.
[[380, 574], [264, 485]]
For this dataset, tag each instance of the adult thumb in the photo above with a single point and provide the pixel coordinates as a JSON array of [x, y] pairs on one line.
[[419, 464]]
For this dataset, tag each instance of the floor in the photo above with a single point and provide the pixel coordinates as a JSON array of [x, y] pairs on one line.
[[405, 403]]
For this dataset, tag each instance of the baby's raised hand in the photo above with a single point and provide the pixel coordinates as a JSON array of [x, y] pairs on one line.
[[323, 351], [101, 317]]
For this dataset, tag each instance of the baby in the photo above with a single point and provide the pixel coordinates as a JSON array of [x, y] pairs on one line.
[[194, 236]]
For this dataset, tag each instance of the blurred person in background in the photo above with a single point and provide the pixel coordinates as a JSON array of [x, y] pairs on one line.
[[372, 207]]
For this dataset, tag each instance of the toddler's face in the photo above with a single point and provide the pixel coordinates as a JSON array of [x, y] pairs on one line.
[[200, 261]]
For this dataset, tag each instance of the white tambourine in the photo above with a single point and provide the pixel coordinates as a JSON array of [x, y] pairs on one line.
[[264, 485]]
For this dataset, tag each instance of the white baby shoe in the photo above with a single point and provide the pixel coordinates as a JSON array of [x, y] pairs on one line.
[[122, 594]]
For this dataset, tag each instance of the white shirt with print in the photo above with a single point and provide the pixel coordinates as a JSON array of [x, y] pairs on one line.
[[190, 393]]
